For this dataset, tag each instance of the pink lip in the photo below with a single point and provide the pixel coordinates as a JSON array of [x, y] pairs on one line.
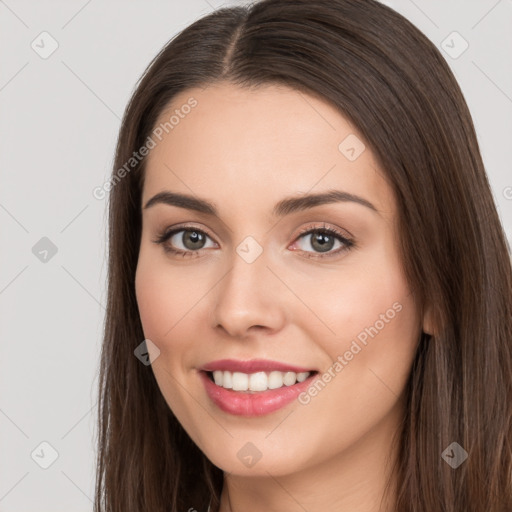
[[250, 403], [252, 366]]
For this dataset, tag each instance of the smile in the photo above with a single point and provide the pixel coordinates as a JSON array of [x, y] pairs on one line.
[[254, 388], [260, 381]]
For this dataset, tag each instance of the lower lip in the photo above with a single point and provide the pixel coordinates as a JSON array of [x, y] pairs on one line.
[[256, 403]]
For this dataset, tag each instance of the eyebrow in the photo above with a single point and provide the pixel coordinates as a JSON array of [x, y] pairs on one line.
[[282, 208]]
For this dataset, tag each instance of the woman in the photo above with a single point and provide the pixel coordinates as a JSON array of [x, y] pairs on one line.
[[310, 292]]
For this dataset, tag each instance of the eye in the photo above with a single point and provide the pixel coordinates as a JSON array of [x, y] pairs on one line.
[[188, 241], [323, 240], [184, 240]]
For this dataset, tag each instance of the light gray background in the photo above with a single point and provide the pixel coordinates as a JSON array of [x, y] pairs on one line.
[[58, 126]]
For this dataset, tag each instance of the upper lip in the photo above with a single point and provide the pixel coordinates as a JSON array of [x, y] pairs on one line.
[[252, 366]]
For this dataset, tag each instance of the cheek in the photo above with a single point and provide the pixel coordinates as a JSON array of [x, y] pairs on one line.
[[154, 301], [163, 304], [368, 311], [161, 298], [348, 309], [171, 307], [376, 329], [160, 302]]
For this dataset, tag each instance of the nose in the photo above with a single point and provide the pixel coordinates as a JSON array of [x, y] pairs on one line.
[[249, 298]]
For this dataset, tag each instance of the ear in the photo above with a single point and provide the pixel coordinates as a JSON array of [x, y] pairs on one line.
[[428, 321]]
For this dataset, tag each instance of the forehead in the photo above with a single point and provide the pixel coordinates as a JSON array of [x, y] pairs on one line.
[[239, 146]]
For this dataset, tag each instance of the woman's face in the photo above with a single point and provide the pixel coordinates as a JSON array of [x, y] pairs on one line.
[[329, 310]]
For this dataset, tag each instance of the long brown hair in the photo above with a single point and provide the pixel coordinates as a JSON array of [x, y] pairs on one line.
[[392, 83]]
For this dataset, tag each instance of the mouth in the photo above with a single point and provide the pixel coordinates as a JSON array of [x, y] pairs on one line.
[[256, 392], [257, 382]]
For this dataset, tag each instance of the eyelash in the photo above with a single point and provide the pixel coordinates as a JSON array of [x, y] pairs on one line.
[[347, 243]]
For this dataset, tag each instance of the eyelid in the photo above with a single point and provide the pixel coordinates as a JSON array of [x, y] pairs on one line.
[[168, 232], [325, 227]]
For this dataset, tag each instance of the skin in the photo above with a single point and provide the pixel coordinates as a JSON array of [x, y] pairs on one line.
[[245, 150]]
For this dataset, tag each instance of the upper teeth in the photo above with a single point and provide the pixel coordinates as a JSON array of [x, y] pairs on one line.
[[259, 381]]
